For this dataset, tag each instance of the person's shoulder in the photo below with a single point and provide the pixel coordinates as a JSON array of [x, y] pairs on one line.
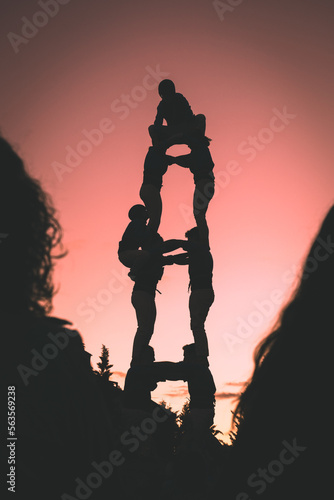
[[161, 105], [55, 328], [180, 97], [137, 224], [54, 322], [53, 339]]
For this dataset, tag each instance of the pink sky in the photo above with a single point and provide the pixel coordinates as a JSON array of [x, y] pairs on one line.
[[262, 75]]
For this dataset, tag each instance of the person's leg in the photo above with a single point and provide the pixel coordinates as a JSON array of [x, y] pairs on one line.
[[200, 302], [152, 200], [198, 122], [135, 260], [160, 133], [144, 304], [203, 193]]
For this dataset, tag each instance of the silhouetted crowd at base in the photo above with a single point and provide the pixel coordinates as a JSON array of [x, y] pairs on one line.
[[74, 435]]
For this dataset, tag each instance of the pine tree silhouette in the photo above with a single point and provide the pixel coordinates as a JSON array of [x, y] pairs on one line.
[[183, 421], [103, 365]]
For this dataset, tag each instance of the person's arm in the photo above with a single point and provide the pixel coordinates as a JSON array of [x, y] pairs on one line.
[[167, 260], [171, 245], [167, 370], [181, 259], [159, 117]]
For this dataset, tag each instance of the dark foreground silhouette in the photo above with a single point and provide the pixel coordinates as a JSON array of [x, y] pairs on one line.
[[78, 438], [283, 436]]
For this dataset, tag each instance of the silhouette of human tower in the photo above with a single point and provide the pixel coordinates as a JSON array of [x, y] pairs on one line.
[[143, 250]]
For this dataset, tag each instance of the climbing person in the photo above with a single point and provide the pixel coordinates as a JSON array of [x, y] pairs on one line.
[[176, 111]]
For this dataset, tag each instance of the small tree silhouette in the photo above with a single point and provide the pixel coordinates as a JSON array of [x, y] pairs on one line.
[[183, 416], [167, 407], [183, 422], [184, 425], [167, 431], [103, 365]]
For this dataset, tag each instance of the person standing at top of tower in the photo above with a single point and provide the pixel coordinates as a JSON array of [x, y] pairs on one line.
[[176, 111]]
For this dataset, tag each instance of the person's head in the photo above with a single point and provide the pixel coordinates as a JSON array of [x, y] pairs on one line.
[[297, 342], [29, 234], [138, 212], [193, 234], [317, 277], [166, 89]]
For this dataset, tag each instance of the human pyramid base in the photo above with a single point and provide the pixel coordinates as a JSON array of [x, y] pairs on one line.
[[143, 251]]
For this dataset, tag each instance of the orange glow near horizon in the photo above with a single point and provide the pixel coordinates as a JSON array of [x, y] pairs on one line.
[[82, 95]]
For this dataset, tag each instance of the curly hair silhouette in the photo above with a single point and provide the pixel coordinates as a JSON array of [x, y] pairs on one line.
[[27, 219], [282, 407], [309, 310]]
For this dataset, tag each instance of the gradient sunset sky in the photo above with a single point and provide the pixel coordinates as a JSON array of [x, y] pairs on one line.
[[77, 95]]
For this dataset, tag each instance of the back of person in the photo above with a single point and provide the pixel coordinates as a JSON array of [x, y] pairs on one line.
[[134, 236], [283, 436], [147, 279], [279, 434], [201, 164], [62, 420], [62, 424], [175, 109]]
